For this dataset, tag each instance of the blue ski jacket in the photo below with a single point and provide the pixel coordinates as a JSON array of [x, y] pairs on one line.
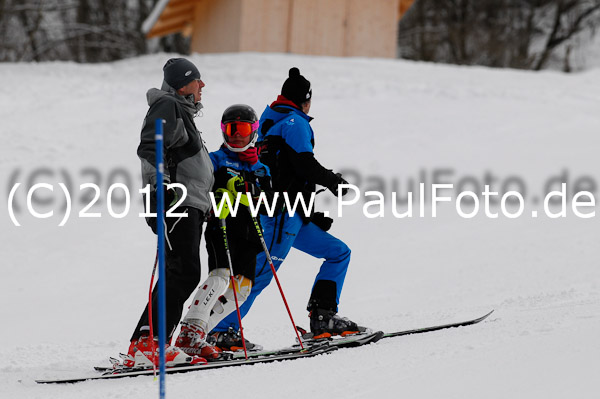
[[286, 142]]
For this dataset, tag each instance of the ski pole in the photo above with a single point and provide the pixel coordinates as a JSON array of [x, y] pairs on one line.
[[150, 314], [268, 255], [160, 205], [223, 225]]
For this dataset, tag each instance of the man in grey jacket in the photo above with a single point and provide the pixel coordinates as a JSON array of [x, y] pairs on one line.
[[186, 162]]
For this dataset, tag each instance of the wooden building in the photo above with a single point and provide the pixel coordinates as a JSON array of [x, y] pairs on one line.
[[365, 28]]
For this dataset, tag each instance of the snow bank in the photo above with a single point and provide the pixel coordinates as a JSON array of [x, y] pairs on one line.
[[70, 296]]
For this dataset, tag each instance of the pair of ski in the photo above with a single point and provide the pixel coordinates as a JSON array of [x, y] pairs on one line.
[[312, 349]]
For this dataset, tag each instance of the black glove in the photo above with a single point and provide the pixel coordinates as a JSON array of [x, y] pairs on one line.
[[333, 187], [170, 195], [322, 221]]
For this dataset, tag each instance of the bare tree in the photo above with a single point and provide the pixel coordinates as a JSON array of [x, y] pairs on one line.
[[500, 33], [79, 30], [570, 18], [28, 29]]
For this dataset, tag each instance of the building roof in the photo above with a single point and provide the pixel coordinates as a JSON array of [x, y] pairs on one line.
[[170, 16]]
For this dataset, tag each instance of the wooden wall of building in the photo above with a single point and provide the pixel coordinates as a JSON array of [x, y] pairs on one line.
[[319, 27], [217, 26], [371, 29], [264, 25]]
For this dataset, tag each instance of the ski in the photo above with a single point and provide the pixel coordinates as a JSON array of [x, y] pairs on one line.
[[348, 341], [438, 327], [274, 352], [367, 339], [122, 373], [312, 348], [366, 336]]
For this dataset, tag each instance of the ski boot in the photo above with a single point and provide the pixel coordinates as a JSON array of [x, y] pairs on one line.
[[192, 340], [143, 353], [231, 340], [325, 323]]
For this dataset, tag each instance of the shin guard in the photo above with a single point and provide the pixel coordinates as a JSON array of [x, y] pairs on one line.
[[206, 297], [226, 303]]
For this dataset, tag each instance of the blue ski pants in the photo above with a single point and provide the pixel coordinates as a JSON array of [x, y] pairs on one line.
[[307, 238]]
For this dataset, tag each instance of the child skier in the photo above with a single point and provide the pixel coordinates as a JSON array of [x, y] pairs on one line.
[[237, 170]]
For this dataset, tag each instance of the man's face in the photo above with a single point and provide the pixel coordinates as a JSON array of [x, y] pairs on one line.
[[306, 106], [195, 88]]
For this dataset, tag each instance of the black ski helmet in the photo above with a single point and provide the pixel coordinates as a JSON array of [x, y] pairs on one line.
[[240, 113]]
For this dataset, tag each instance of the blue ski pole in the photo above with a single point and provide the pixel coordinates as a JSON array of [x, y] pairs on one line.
[[160, 205]]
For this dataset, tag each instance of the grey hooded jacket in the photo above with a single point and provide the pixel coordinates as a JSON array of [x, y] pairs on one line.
[[186, 158]]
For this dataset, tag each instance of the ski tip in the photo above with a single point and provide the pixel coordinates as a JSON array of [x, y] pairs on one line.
[[482, 318], [486, 315], [376, 336], [27, 382]]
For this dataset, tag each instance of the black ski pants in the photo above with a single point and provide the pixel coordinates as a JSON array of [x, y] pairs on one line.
[[182, 270]]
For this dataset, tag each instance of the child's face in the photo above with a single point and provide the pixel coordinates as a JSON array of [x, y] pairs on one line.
[[238, 141]]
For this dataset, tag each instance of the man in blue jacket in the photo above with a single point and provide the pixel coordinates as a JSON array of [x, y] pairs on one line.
[[287, 149]]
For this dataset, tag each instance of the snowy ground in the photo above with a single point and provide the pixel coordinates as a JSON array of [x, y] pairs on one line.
[[70, 296]]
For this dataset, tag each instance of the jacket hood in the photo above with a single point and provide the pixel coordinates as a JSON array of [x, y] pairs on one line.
[[153, 95], [270, 113], [281, 100]]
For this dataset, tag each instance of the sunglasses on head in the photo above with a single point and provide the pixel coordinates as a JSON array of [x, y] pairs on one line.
[[243, 128]]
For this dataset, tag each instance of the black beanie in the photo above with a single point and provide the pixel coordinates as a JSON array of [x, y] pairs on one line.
[[296, 88], [178, 72]]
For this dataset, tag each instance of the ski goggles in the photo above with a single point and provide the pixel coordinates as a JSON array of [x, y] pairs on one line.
[[245, 129]]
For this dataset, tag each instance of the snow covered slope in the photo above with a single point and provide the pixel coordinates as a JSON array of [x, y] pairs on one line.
[[70, 296]]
